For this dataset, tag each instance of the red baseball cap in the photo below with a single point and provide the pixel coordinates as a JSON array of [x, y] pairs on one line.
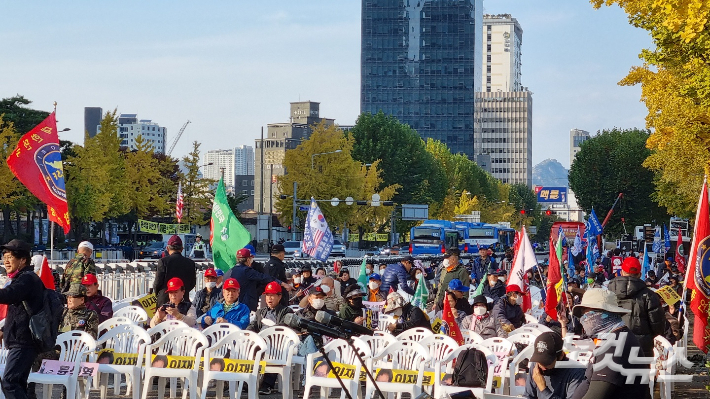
[[175, 241], [210, 273], [231, 284], [631, 265], [513, 288], [89, 279], [244, 253], [174, 284], [271, 288]]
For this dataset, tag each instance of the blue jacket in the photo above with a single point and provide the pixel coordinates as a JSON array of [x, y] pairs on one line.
[[239, 315], [249, 280], [395, 276], [480, 268]]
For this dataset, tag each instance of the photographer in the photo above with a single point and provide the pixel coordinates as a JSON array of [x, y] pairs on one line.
[[178, 306]]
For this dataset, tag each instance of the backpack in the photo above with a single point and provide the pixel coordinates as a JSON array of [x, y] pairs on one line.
[[471, 369], [44, 325]]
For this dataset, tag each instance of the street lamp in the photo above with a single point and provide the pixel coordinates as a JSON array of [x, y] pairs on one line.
[[322, 153]]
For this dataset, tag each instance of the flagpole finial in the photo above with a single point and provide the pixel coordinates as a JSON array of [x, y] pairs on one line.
[[55, 106]]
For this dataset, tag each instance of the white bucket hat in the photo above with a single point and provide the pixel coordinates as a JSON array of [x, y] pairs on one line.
[[599, 298], [86, 244]]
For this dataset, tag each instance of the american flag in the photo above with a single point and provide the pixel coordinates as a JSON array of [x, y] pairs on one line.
[[179, 203], [317, 237]]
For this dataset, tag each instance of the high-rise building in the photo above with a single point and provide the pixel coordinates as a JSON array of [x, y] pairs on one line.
[[270, 152], [244, 160], [504, 135], [421, 62], [502, 43], [220, 164], [576, 138], [92, 120], [129, 128]]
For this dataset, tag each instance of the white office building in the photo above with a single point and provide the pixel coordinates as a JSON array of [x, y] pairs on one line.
[[244, 160], [130, 127], [502, 43], [576, 138]]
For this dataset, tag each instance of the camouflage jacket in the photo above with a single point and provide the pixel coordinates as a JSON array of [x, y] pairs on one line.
[[76, 269], [80, 319]]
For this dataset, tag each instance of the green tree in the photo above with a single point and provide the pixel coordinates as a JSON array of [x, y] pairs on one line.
[[612, 163], [167, 184], [15, 110], [196, 190], [405, 160], [234, 201], [142, 177]]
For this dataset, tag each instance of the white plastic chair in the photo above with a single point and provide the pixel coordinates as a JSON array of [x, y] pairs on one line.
[[383, 321], [536, 326], [135, 313], [581, 356], [238, 345], [525, 330], [217, 331], [664, 365], [295, 308], [113, 322], [471, 337], [378, 342], [439, 346], [500, 345], [76, 347], [165, 327], [530, 319], [414, 334], [405, 355], [123, 338], [513, 369], [524, 338], [186, 342], [281, 345], [446, 366], [338, 351]]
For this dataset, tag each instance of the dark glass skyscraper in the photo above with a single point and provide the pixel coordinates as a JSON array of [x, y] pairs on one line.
[[421, 62]]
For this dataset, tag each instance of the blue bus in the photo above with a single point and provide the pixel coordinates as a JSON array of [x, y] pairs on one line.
[[487, 235], [434, 237]]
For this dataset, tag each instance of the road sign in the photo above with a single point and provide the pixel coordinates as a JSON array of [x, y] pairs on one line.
[[415, 212], [303, 208], [335, 201]]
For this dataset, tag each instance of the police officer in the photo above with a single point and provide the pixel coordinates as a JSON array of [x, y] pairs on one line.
[[76, 315], [81, 265], [276, 268], [199, 249], [24, 286], [171, 266]]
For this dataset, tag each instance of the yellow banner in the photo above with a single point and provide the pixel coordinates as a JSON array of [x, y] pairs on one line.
[[148, 303], [108, 356], [381, 237], [669, 295], [148, 226], [347, 371], [354, 237], [436, 325]]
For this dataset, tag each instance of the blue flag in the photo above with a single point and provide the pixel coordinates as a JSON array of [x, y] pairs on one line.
[[657, 246], [592, 252], [646, 263], [577, 247], [667, 238], [317, 237], [593, 226]]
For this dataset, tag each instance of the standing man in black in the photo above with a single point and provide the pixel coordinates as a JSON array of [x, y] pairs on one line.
[[276, 268], [25, 286], [174, 265]]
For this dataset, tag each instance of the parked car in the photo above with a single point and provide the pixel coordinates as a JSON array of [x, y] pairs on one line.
[[338, 249], [293, 249], [154, 250], [387, 251]]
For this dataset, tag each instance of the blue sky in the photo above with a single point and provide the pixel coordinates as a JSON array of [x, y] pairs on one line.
[[231, 67]]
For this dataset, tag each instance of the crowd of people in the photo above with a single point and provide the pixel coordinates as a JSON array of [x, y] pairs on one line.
[[616, 301]]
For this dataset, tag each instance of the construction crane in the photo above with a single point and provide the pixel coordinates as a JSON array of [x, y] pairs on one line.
[[177, 138]]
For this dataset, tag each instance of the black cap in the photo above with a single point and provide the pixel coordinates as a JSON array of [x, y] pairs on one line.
[[353, 291], [306, 269], [494, 271], [546, 347], [16, 245], [480, 299], [408, 258], [277, 248]]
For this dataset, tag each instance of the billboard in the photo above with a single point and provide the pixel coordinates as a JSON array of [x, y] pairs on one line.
[[548, 195]]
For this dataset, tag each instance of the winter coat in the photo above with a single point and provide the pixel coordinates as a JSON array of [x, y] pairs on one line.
[[26, 286], [411, 317], [487, 327], [204, 301], [249, 281], [280, 311], [395, 276], [174, 265], [276, 268], [101, 305], [647, 318], [237, 315], [507, 313], [458, 272], [496, 292]]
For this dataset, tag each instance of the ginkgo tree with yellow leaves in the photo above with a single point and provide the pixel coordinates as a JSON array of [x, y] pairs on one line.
[[333, 175]]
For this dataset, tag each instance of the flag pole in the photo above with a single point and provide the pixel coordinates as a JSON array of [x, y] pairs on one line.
[[51, 243]]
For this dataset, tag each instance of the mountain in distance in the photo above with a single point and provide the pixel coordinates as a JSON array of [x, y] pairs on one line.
[[550, 173]]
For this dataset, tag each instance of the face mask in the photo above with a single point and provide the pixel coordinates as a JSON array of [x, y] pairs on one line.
[[325, 288], [519, 300], [357, 302], [318, 303], [480, 310], [382, 270], [211, 285], [297, 280], [416, 276], [373, 285], [369, 271], [547, 372]]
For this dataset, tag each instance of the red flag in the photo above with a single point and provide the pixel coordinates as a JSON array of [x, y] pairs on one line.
[[696, 278], [449, 326], [45, 274], [37, 163], [554, 276], [679, 258], [179, 204]]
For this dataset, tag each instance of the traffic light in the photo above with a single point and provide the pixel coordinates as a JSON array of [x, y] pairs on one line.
[[522, 211], [649, 233], [548, 212], [289, 228]]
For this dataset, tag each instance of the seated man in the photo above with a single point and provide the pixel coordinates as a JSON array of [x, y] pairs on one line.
[[95, 300], [481, 322], [229, 311], [546, 381], [316, 302], [76, 316], [298, 287], [332, 301], [494, 288], [373, 286], [352, 310], [459, 294], [407, 316], [206, 298], [178, 306], [508, 309]]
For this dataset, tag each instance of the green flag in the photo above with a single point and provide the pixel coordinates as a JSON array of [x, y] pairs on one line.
[[362, 278], [421, 295], [227, 234], [479, 289]]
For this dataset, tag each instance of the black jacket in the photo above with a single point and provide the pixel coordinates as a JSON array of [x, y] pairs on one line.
[[276, 268], [203, 301], [496, 292], [647, 318], [411, 317], [507, 313], [174, 265], [256, 325], [250, 282], [26, 286]]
